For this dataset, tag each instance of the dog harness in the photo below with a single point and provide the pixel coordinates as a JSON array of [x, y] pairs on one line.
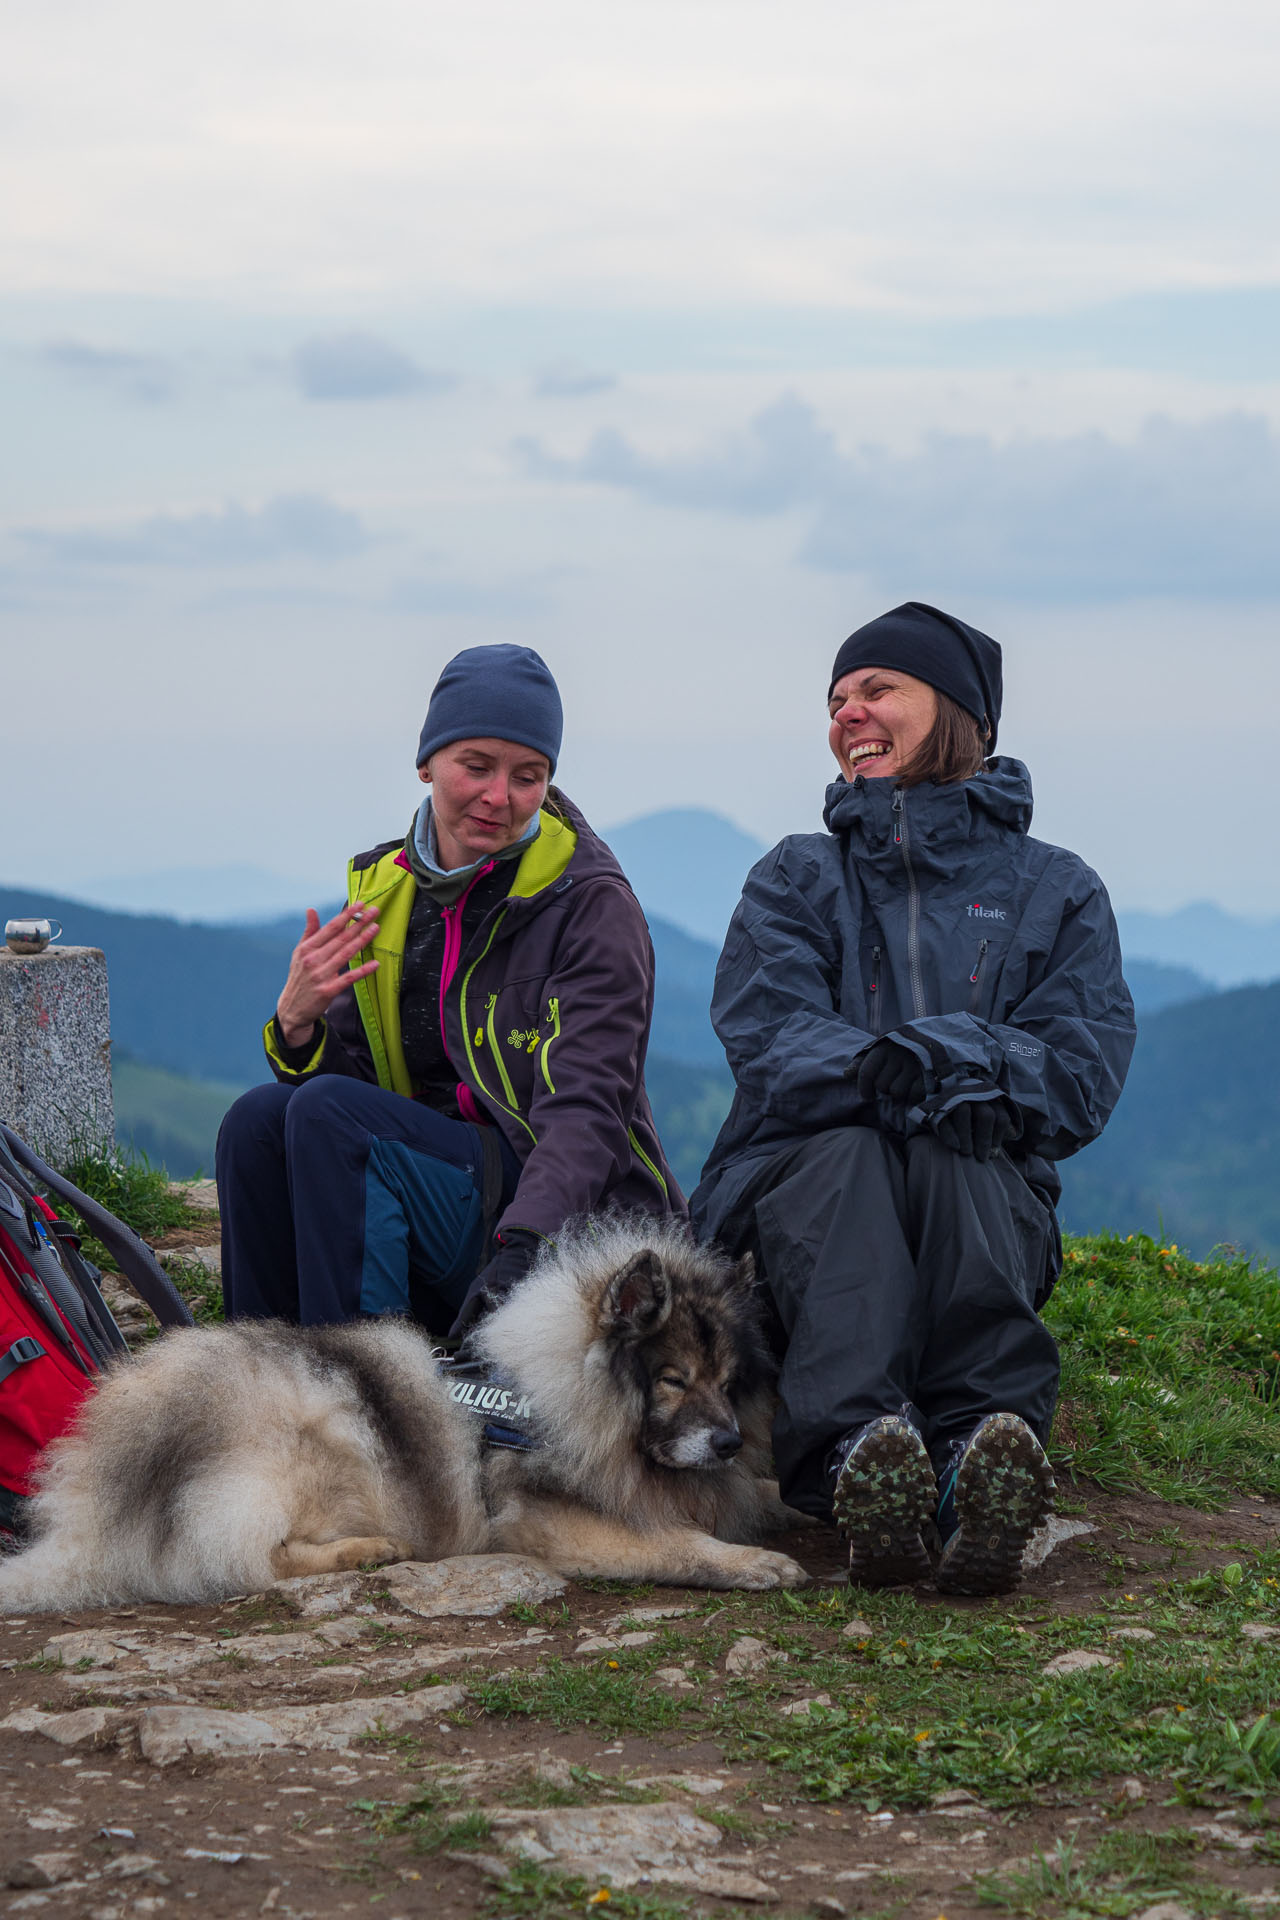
[[498, 1402]]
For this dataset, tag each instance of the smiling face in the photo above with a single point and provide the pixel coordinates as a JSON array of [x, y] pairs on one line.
[[484, 793], [879, 719]]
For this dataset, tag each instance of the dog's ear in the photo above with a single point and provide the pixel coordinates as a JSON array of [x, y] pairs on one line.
[[639, 1299], [744, 1275]]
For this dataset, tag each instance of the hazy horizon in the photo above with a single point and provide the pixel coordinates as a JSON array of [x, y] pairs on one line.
[[675, 342]]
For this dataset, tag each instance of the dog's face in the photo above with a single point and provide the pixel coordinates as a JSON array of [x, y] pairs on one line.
[[687, 1342]]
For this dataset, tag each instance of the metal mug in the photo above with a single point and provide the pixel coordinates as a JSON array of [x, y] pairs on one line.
[[30, 936]]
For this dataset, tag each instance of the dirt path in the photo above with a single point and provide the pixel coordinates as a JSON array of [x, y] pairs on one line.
[[489, 1740], [143, 1769]]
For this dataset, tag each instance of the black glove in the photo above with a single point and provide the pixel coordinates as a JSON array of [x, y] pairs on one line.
[[889, 1070], [514, 1253], [977, 1127]]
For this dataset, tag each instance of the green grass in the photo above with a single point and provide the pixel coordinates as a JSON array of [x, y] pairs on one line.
[[1170, 1371], [1125, 1874], [130, 1187], [532, 1893], [935, 1700]]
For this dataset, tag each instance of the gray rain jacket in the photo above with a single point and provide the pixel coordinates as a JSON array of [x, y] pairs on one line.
[[927, 912]]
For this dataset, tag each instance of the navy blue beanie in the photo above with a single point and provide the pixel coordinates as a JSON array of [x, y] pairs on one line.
[[934, 647], [495, 693]]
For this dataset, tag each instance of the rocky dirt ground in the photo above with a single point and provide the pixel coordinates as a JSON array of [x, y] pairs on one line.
[[360, 1742]]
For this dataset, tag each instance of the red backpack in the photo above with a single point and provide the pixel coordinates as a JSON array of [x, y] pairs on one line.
[[56, 1330]]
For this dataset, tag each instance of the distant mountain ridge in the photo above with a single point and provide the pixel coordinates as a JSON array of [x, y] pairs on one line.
[[687, 865]]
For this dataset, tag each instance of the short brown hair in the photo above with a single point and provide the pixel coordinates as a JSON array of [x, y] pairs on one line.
[[954, 748]]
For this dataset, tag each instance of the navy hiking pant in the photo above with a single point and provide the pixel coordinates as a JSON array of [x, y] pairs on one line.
[[340, 1199], [905, 1276]]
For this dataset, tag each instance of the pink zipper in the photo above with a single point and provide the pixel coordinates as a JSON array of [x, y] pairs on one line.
[[452, 954]]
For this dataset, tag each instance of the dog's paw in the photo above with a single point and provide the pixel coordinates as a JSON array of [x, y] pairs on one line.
[[757, 1568]]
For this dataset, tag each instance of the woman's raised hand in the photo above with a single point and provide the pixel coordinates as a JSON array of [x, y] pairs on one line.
[[320, 969]]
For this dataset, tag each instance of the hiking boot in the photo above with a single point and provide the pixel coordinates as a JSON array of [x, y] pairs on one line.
[[885, 1494], [996, 1489]]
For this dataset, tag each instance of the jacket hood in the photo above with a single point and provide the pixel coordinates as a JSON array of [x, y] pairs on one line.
[[999, 796]]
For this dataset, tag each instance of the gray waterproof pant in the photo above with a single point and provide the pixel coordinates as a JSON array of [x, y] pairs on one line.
[[904, 1275]]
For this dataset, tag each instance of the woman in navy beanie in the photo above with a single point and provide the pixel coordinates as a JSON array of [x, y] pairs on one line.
[[459, 1053], [924, 1012]]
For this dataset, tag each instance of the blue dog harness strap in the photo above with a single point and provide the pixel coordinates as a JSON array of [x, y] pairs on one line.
[[499, 1403]]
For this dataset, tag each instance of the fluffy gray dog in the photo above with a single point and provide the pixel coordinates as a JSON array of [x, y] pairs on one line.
[[223, 1459]]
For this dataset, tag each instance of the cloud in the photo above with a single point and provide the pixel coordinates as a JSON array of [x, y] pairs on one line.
[[572, 383], [148, 378], [512, 599], [360, 366], [1182, 509], [291, 525]]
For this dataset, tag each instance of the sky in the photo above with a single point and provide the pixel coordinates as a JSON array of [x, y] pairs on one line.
[[673, 340]]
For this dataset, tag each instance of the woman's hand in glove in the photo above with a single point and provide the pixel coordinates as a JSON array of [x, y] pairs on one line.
[[977, 1127], [889, 1071], [514, 1254]]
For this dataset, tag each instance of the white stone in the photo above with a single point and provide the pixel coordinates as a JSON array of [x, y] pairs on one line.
[[627, 1845], [746, 1655], [67, 1729], [52, 1820], [1079, 1660], [645, 1614], [1131, 1633], [210, 1258], [801, 1709], [1165, 1910], [1254, 1630], [170, 1734], [857, 1630], [1224, 1836], [320, 1593], [42, 1870], [470, 1585], [702, 1786], [674, 1677], [1052, 1534]]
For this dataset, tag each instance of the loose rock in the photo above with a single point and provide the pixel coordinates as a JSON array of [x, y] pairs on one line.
[[167, 1735], [471, 1584], [1050, 1536], [800, 1709], [746, 1655], [1079, 1660], [857, 1630], [626, 1845], [42, 1870]]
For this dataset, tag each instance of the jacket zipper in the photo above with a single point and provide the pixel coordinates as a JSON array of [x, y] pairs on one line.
[[500, 1063], [976, 975], [902, 838], [452, 917], [874, 989], [553, 1008], [466, 1036]]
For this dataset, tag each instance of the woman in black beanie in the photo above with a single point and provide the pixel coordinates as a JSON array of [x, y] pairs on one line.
[[924, 1011], [459, 1053]]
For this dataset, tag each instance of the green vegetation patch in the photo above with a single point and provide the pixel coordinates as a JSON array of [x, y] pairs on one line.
[[128, 1186], [1170, 1371], [930, 1700], [1125, 1874]]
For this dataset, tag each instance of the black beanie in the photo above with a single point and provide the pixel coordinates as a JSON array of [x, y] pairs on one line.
[[934, 647], [495, 693]]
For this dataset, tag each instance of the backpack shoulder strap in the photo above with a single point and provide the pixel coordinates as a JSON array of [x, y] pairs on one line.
[[136, 1261]]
